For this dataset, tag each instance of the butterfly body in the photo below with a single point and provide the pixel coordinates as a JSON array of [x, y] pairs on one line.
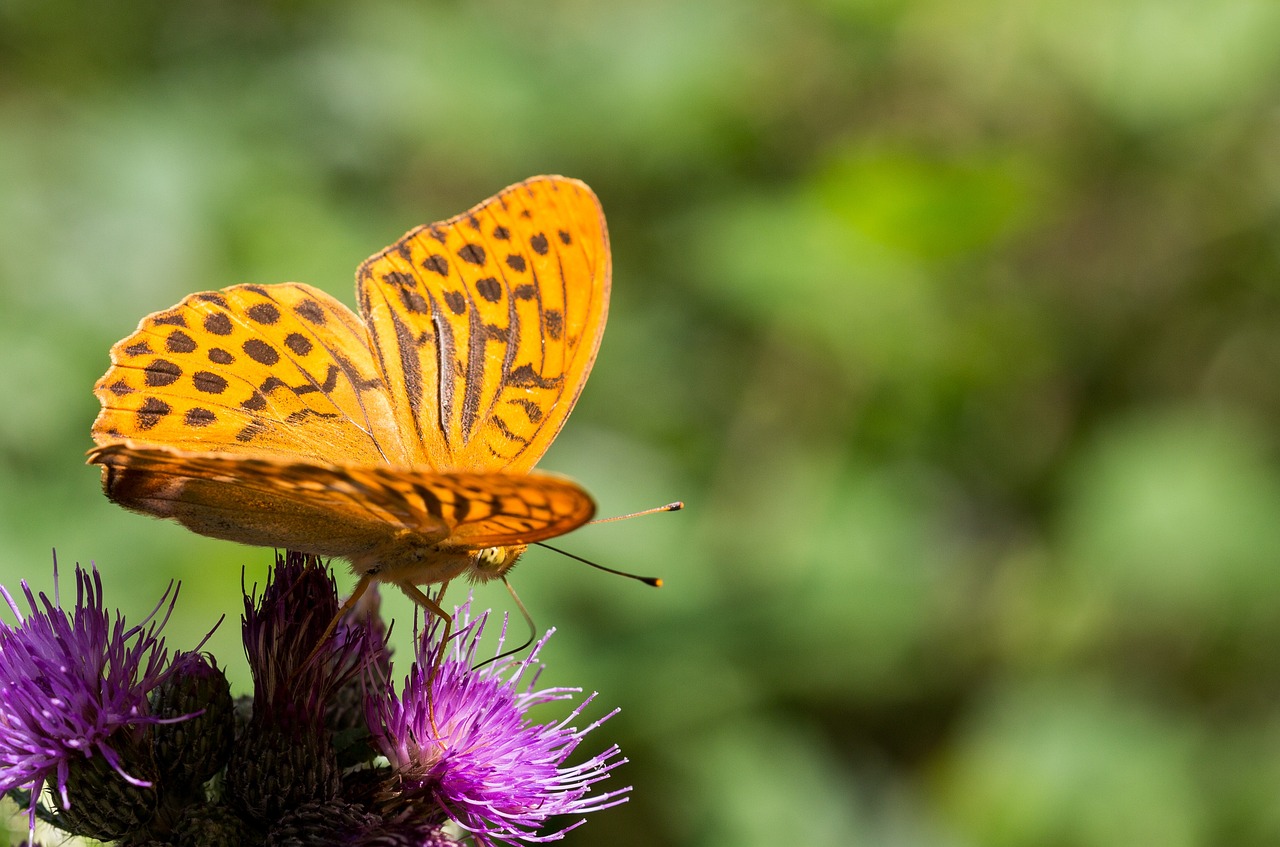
[[401, 439]]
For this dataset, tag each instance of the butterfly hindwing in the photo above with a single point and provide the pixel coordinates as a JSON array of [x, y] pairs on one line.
[[338, 510], [259, 501]]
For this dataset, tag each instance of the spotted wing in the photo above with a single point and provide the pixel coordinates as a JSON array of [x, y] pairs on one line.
[[486, 325], [349, 511], [280, 370]]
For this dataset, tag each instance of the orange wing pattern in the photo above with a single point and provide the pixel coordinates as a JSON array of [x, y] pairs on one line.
[[281, 369], [486, 325], [273, 415], [351, 504]]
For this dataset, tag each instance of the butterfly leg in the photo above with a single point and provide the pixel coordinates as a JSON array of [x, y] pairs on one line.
[[361, 587], [433, 606]]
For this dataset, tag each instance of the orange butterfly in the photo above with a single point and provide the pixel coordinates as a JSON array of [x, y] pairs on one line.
[[401, 440]]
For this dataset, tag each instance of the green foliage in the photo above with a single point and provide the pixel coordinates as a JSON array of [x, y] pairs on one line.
[[956, 326]]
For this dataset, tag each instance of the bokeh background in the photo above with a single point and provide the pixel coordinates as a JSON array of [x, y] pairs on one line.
[[955, 324]]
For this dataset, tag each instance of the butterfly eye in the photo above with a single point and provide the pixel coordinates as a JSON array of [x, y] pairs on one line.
[[494, 562]]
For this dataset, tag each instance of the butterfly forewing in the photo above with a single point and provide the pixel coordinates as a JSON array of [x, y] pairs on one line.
[[486, 325], [500, 509], [281, 369]]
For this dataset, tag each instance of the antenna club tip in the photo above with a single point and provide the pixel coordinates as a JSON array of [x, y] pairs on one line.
[[675, 507]]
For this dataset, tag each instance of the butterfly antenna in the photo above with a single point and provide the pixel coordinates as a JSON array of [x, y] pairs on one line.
[[528, 619], [670, 507], [655, 581]]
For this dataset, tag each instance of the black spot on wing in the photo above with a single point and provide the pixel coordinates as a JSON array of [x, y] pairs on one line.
[[161, 372], [217, 323], [179, 342], [553, 320], [402, 278], [437, 264], [525, 377], [472, 253], [298, 343], [208, 383], [261, 352], [263, 313], [151, 412], [212, 297], [456, 301], [310, 311], [412, 301]]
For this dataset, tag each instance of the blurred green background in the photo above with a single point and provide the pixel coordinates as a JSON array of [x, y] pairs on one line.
[[955, 324]]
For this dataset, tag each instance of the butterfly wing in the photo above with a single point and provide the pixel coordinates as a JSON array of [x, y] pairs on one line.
[[486, 325], [274, 416], [268, 370], [350, 511], [259, 501]]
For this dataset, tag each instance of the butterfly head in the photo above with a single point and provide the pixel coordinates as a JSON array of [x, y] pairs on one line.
[[494, 562]]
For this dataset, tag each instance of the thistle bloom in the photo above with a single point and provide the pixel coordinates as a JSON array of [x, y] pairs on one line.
[[322, 754], [74, 686], [460, 742], [285, 756]]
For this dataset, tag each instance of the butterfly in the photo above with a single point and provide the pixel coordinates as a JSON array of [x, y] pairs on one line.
[[401, 439]]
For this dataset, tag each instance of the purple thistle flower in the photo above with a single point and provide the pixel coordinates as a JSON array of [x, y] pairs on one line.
[[74, 685], [285, 756], [490, 770]]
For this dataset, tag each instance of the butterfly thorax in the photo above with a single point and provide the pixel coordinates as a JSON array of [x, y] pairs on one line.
[[419, 560]]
